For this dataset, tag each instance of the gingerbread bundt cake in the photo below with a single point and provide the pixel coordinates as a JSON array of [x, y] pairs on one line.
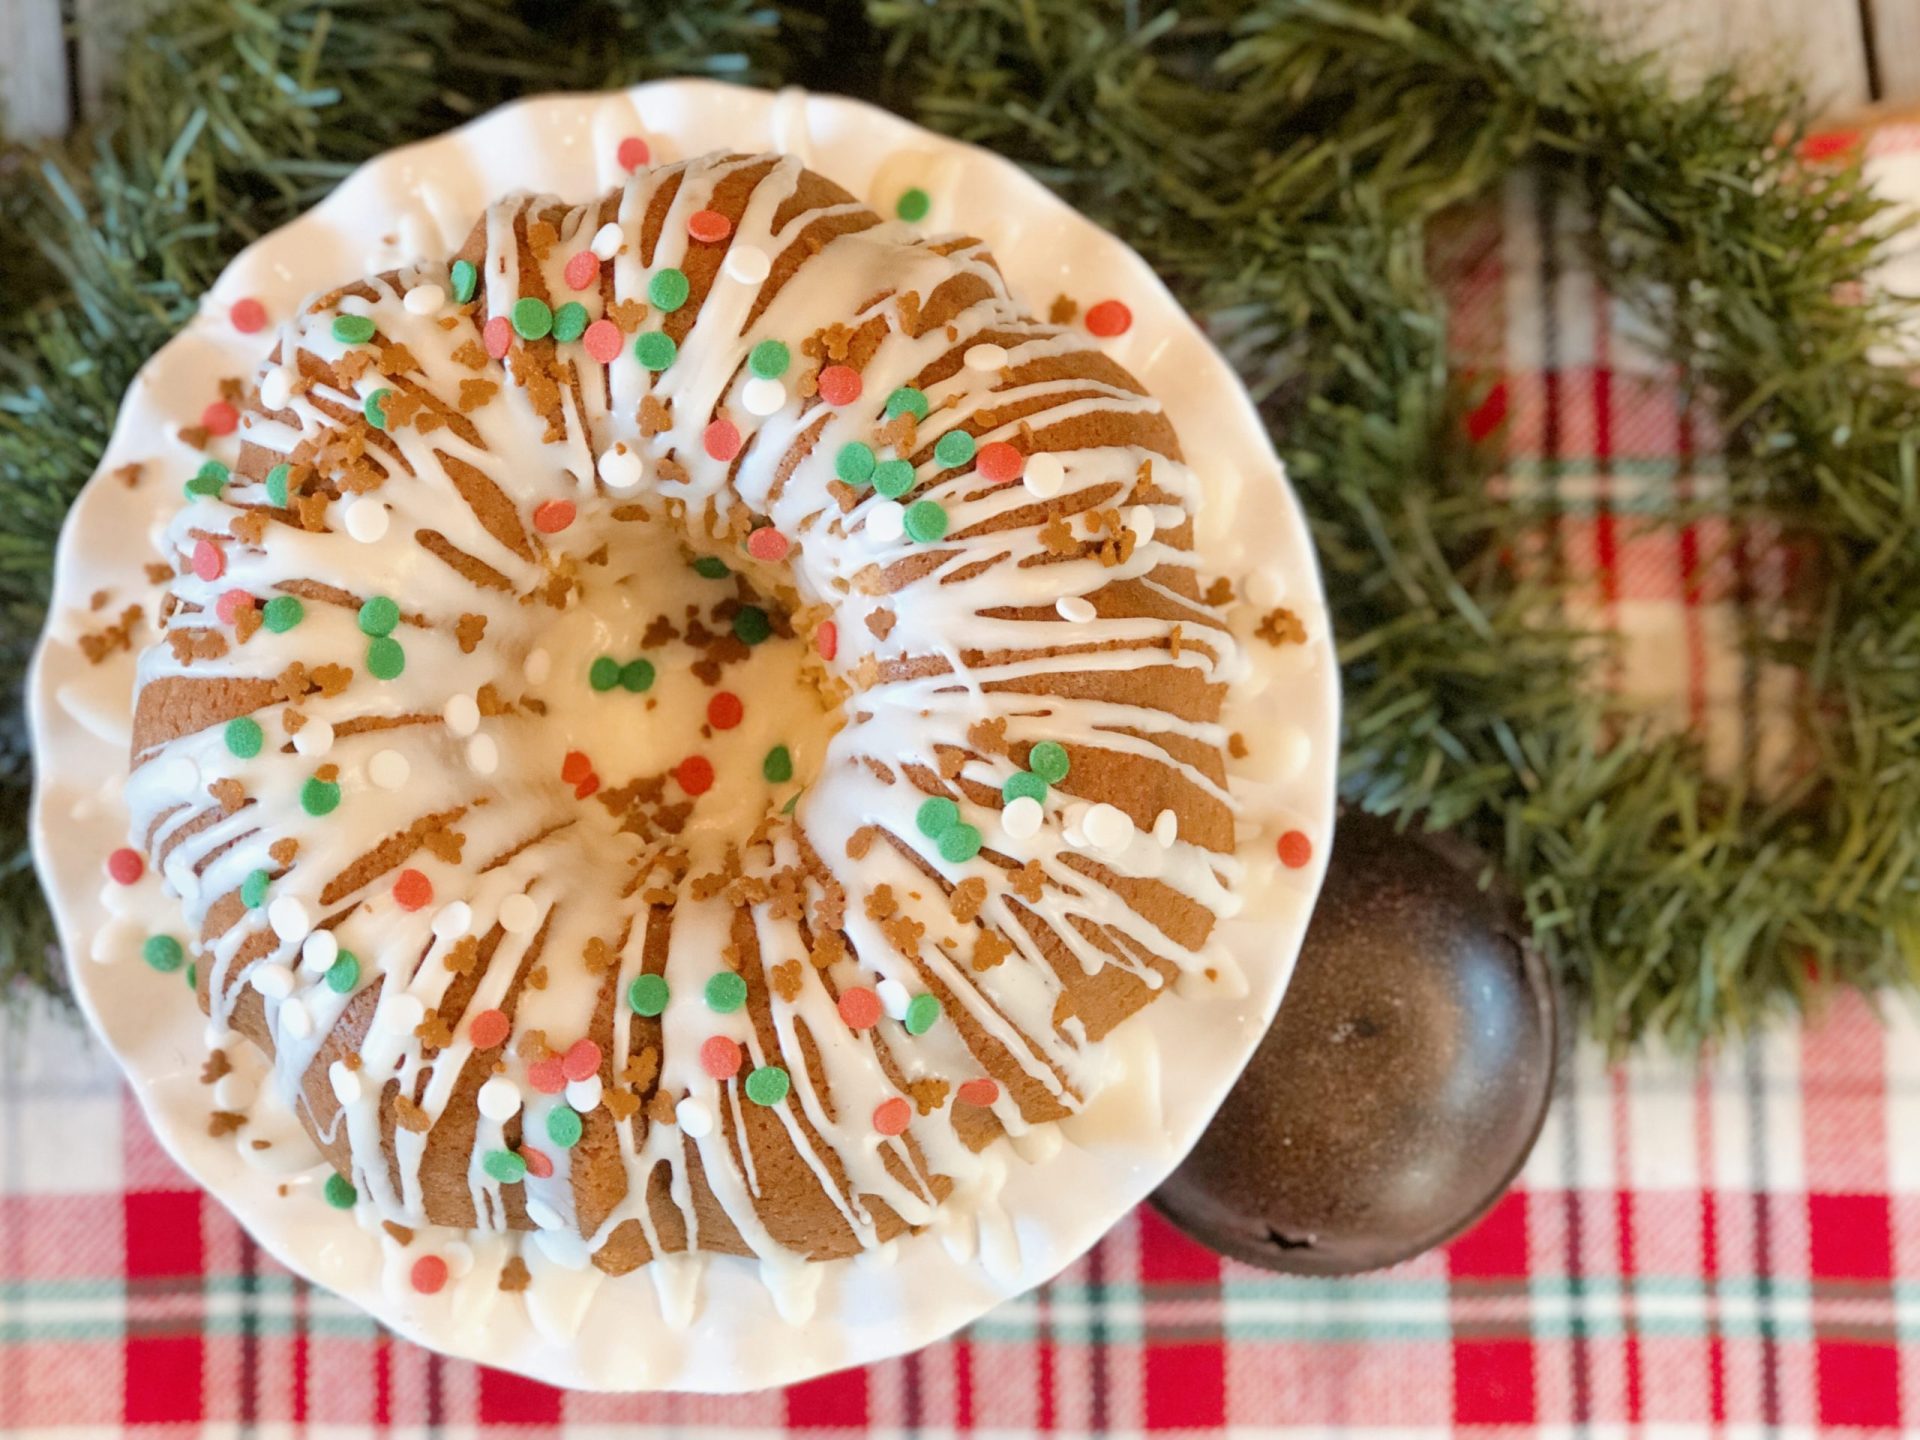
[[686, 723]]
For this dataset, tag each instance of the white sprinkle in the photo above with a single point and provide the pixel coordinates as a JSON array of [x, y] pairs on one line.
[[462, 714], [696, 1120], [180, 773], [388, 769], [584, 1095], [607, 241], [276, 388], [620, 468], [1075, 608], [545, 1216], [539, 665], [346, 1083], [424, 299], [233, 1091], [1071, 821], [1044, 476], [273, 981], [366, 520], [402, 1012], [986, 357], [1108, 828], [314, 738], [453, 920], [894, 998], [1265, 587], [1166, 828], [459, 1257], [289, 918], [1140, 521], [518, 914], [762, 396], [886, 523], [747, 265], [483, 754], [1022, 816], [499, 1099], [296, 1021], [319, 950]]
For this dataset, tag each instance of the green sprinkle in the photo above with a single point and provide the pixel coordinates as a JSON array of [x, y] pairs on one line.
[[648, 994], [959, 844], [936, 815], [532, 318], [1024, 782], [385, 658], [893, 478], [209, 480], [378, 616], [604, 673], [277, 485], [253, 889], [655, 350], [750, 624], [769, 359], [339, 1192], [912, 206], [854, 463], [563, 1126], [926, 521], [792, 800], [906, 399], [923, 1013], [344, 973], [711, 567], [163, 953], [768, 1085], [953, 448], [244, 737], [505, 1166], [352, 329], [726, 993], [319, 797], [466, 280], [668, 290], [375, 408], [636, 676], [1048, 760], [282, 613], [778, 766], [570, 321], [193, 976]]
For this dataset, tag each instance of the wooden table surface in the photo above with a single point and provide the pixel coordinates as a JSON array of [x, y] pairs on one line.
[[54, 54]]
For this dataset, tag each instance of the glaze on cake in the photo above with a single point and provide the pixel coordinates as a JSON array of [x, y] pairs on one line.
[[381, 723]]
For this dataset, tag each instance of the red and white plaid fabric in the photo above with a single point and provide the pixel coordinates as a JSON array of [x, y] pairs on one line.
[[1724, 1248]]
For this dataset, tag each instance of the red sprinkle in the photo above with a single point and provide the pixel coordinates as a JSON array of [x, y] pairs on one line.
[[586, 787], [633, 153], [499, 336], [722, 439], [827, 639], [488, 1029], [583, 268], [709, 226], [724, 710], [1108, 318], [983, 1091], [767, 544], [719, 1057], [547, 1076], [220, 418], [248, 316], [230, 604], [412, 890], [999, 462], [538, 1165], [839, 384], [209, 560], [126, 866], [1295, 849], [582, 1060], [695, 774], [891, 1117], [603, 341], [550, 517], [429, 1274], [576, 767], [859, 1007]]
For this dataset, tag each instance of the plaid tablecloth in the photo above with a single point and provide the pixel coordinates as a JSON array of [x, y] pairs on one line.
[[1723, 1248]]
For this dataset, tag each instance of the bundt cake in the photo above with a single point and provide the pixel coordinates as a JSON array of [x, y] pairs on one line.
[[688, 720]]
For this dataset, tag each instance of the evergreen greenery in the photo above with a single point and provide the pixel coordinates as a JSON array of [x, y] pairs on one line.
[[1280, 162]]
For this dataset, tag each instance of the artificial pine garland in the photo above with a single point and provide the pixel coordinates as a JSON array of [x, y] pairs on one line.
[[1280, 163]]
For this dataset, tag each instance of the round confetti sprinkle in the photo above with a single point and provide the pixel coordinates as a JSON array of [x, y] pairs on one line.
[[721, 439], [604, 673], [497, 333], [709, 227], [826, 640], [913, 205], [424, 299], [923, 1013], [314, 739], [581, 1060], [1107, 828], [283, 612], [893, 478], [253, 889], [711, 567], [583, 268], [339, 1192], [230, 604], [352, 329], [891, 1117], [319, 797], [547, 1076], [564, 1127], [726, 992], [750, 624], [907, 401], [769, 359], [767, 544], [854, 464], [725, 710], [499, 1099], [220, 418], [633, 152], [366, 520], [999, 462], [959, 844], [636, 676], [936, 815], [462, 715], [532, 318], [163, 953], [319, 950], [607, 240], [747, 264], [248, 316], [955, 448], [483, 754], [1108, 318], [244, 736], [277, 479], [388, 769], [839, 385], [505, 1166], [570, 322], [720, 1057], [768, 1085], [763, 397], [575, 767], [385, 658], [375, 408], [538, 1165], [1296, 850], [209, 480], [466, 280], [777, 768], [655, 350], [859, 1007], [519, 914], [603, 339], [985, 357], [1023, 782], [1075, 608], [980, 1091], [429, 1274], [647, 995], [1021, 817], [1049, 761], [276, 388], [412, 890], [344, 973], [550, 517], [378, 616], [125, 866], [926, 521], [668, 290], [695, 774], [886, 523]]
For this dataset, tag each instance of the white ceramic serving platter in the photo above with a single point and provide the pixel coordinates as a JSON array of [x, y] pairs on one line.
[[1181, 1056]]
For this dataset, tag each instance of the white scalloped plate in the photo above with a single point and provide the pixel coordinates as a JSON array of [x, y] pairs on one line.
[[1180, 1056]]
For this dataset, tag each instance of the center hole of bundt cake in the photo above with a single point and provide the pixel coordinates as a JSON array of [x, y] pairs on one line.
[[677, 702]]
